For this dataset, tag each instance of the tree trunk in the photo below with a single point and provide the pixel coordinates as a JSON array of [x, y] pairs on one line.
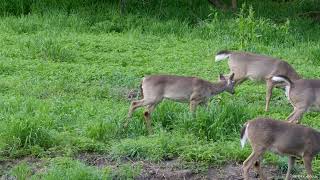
[[122, 4], [221, 5]]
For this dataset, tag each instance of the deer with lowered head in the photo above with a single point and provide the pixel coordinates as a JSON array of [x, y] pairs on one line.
[[303, 94], [281, 137], [256, 67], [194, 90]]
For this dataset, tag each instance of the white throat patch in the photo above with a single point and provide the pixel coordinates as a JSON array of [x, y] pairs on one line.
[[287, 92]]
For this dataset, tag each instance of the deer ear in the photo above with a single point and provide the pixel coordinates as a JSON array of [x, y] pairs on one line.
[[222, 78], [232, 76]]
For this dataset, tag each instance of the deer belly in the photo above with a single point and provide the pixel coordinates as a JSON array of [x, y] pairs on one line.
[[315, 107], [286, 150], [181, 97], [257, 75], [276, 150]]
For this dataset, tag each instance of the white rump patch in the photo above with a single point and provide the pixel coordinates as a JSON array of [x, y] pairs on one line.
[[279, 79], [245, 136], [221, 57]]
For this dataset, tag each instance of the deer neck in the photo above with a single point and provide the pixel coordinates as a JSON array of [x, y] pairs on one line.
[[219, 87]]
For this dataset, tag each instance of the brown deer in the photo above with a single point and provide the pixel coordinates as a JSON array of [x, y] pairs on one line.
[[194, 90], [280, 137], [303, 94], [257, 67]]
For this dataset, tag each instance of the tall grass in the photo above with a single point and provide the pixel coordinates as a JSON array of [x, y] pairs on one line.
[[66, 68]]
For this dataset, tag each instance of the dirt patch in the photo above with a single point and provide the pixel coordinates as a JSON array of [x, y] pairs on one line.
[[233, 171], [6, 165], [170, 170], [177, 169]]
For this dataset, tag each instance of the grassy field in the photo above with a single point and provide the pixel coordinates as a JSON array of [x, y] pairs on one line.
[[66, 68]]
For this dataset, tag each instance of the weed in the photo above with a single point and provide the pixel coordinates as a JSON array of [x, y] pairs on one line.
[[21, 171]]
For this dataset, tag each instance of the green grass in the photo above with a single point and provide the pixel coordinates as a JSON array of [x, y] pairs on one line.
[[66, 68]]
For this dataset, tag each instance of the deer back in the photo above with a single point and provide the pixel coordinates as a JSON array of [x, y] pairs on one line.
[[259, 67], [173, 87], [282, 137], [306, 92]]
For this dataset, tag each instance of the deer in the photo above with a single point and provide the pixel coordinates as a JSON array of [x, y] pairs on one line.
[[156, 88], [303, 94], [280, 137], [257, 67]]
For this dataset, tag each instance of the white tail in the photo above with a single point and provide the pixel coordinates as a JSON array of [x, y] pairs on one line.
[[244, 135], [220, 57], [281, 79]]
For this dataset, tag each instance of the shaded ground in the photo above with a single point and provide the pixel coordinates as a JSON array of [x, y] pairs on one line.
[[175, 169], [232, 171], [36, 165], [170, 169]]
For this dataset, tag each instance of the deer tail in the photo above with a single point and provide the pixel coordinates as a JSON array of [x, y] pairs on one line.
[[283, 79], [141, 90], [244, 135], [221, 55]]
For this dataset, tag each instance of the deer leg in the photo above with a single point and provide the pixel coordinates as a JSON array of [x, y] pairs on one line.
[[307, 160], [134, 105], [195, 99], [258, 169], [147, 116], [193, 105], [246, 166], [269, 93], [291, 114], [253, 158], [291, 161], [296, 115]]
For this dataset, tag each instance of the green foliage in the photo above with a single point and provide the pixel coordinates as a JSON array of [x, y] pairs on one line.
[[215, 153], [21, 171], [66, 168], [155, 148], [259, 30], [48, 49], [66, 68], [25, 133], [102, 131], [127, 171]]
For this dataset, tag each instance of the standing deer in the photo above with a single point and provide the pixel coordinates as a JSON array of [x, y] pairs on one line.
[[196, 91], [256, 67], [303, 94], [280, 137]]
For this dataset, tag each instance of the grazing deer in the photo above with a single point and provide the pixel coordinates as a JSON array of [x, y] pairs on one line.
[[280, 137], [303, 94], [256, 67], [196, 91]]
